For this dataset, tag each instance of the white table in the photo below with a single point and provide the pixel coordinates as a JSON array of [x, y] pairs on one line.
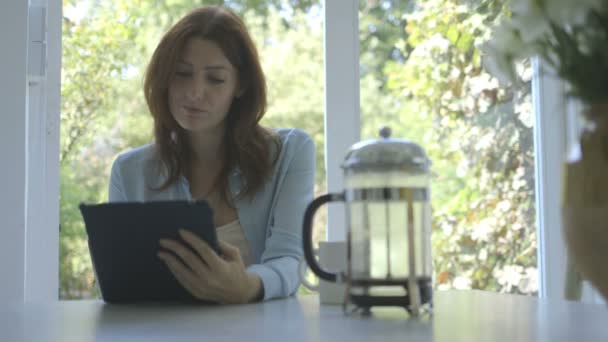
[[459, 316]]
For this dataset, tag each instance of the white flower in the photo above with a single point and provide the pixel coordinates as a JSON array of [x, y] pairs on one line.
[[483, 230], [462, 283], [529, 282], [503, 50], [499, 64], [529, 19], [510, 275], [535, 28]]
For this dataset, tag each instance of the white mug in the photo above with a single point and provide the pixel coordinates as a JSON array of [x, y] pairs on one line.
[[332, 256]]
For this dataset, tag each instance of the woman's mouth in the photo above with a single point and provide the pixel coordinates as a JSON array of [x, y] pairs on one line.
[[193, 111]]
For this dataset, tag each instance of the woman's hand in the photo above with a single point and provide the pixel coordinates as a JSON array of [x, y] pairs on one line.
[[207, 275]]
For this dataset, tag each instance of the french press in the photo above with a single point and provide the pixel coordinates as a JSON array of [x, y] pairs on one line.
[[387, 201]]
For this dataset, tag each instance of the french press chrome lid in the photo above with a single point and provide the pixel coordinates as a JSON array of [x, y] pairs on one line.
[[387, 154]]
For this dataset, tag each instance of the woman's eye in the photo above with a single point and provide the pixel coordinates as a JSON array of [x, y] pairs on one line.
[[215, 80]]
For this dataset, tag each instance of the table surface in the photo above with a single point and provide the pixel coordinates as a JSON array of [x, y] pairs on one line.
[[458, 316]]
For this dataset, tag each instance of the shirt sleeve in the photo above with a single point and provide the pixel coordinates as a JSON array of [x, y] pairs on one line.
[[116, 191], [278, 269]]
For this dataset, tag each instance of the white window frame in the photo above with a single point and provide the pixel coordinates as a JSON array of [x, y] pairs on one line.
[[29, 201], [30, 197], [556, 129], [549, 147], [42, 194], [13, 94], [342, 117]]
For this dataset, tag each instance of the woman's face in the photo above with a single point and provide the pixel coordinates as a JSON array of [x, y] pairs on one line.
[[202, 87]]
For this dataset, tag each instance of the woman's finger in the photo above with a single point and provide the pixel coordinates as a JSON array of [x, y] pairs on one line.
[[190, 259], [202, 248], [183, 275], [229, 251]]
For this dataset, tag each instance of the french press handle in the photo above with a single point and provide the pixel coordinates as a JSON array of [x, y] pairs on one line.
[[307, 235]]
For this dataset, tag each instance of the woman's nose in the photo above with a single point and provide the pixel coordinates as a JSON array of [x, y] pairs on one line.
[[196, 90]]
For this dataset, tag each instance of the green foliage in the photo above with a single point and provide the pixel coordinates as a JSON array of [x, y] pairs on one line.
[[295, 93], [94, 57], [78, 185], [97, 59], [480, 139]]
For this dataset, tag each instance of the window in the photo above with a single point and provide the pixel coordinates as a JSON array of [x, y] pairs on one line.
[[107, 46], [341, 92], [422, 74]]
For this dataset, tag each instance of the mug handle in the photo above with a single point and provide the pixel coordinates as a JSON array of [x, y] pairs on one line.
[[307, 237]]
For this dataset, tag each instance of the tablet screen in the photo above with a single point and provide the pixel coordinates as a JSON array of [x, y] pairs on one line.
[[124, 240]]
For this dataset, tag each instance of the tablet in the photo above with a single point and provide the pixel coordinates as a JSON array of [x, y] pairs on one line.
[[123, 240]]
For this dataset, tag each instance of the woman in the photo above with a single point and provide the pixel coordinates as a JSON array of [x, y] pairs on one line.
[[206, 91]]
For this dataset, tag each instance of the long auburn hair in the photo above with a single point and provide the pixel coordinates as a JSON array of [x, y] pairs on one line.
[[246, 143]]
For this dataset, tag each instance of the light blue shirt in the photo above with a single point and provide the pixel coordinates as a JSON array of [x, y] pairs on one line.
[[271, 221]]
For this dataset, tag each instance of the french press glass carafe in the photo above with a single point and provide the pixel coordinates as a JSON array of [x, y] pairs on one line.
[[387, 201]]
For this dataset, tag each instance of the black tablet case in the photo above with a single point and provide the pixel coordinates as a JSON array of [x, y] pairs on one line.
[[124, 239]]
